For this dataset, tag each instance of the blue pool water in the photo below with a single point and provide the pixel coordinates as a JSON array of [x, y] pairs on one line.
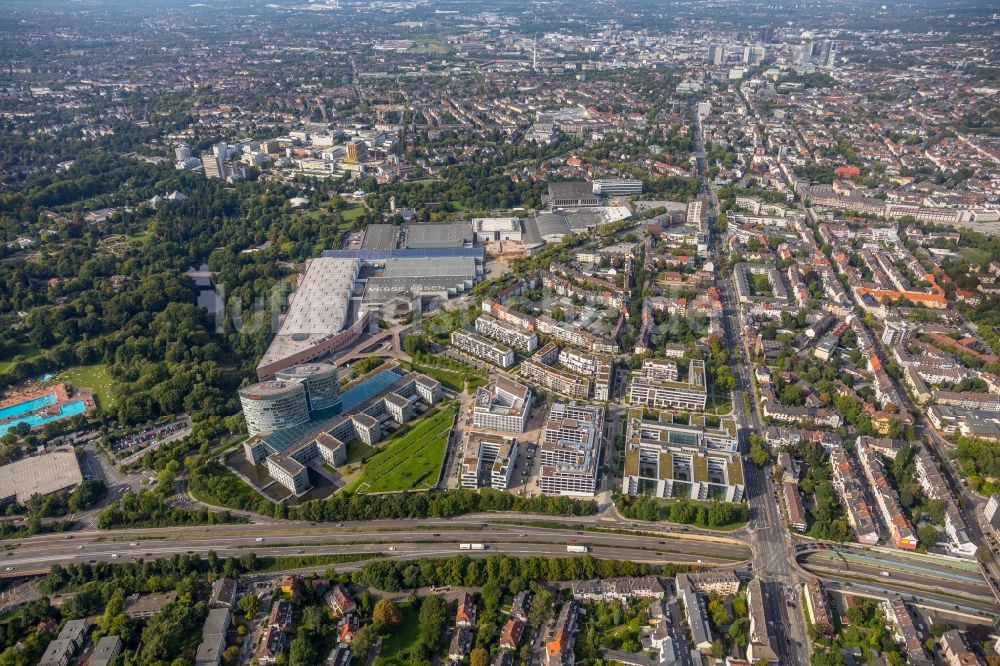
[[65, 411], [29, 406]]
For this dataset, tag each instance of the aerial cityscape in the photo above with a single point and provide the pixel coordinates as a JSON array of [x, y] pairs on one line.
[[499, 332]]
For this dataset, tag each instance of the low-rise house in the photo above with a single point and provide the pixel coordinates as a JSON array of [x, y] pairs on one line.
[[461, 644], [340, 601], [465, 615]]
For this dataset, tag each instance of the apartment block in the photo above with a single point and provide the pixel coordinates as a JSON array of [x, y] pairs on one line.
[[480, 347], [848, 485], [647, 391], [508, 334], [902, 532]]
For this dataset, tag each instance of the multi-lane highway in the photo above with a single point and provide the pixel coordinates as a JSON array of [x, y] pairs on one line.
[[402, 539]]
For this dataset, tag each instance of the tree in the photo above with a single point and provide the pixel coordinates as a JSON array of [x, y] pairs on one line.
[[250, 605], [230, 654], [364, 639], [927, 535], [479, 657], [758, 453], [301, 652], [386, 614], [432, 620]]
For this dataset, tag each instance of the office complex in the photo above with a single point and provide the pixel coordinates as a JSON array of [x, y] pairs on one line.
[[649, 390], [318, 322], [502, 405], [489, 460], [571, 450], [287, 400], [697, 461], [287, 452], [508, 334], [480, 347]]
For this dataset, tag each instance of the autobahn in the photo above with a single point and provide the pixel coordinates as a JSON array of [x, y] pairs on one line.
[[392, 538]]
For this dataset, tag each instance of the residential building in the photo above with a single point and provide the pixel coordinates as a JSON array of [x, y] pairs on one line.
[[508, 334], [213, 638], [818, 606], [955, 650], [697, 619], [480, 347], [70, 639], [618, 589], [105, 651], [647, 391], [465, 614], [760, 647], [510, 636], [848, 485], [461, 644], [562, 639], [340, 601], [906, 631]]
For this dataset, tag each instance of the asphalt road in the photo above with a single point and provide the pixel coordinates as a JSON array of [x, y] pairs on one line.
[[403, 539]]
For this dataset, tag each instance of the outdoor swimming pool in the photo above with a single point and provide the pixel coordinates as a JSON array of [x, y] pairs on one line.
[[23, 412], [28, 406]]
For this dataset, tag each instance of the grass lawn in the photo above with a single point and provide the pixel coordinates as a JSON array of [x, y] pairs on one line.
[[94, 377], [357, 451], [353, 213], [411, 460], [27, 351], [455, 379], [400, 639]]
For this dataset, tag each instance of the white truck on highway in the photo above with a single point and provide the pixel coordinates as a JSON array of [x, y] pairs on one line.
[[472, 546], [577, 549]]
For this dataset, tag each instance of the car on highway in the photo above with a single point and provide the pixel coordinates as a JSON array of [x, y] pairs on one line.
[[884, 574], [133, 544], [259, 539], [391, 548], [115, 556], [8, 568]]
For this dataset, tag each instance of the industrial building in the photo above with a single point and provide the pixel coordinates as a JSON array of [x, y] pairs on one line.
[[489, 460], [502, 405], [421, 236], [480, 347], [319, 318], [572, 194], [571, 450], [489, 229], [417, 278], [697, 460], [49, 472], [649, 391]]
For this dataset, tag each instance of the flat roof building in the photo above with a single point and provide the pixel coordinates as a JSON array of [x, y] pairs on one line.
[[502, 405], [43, 474], [480, 347], [647, 390], [418, 236], [668, 459], [572, 194], [489, 460], [571, 450], [316, 323]]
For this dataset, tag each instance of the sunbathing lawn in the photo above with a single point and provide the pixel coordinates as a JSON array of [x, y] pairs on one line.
[[94, 377]]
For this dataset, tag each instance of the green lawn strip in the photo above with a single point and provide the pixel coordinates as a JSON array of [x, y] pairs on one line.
[[284, 563], [409, 459], [395, 644]]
